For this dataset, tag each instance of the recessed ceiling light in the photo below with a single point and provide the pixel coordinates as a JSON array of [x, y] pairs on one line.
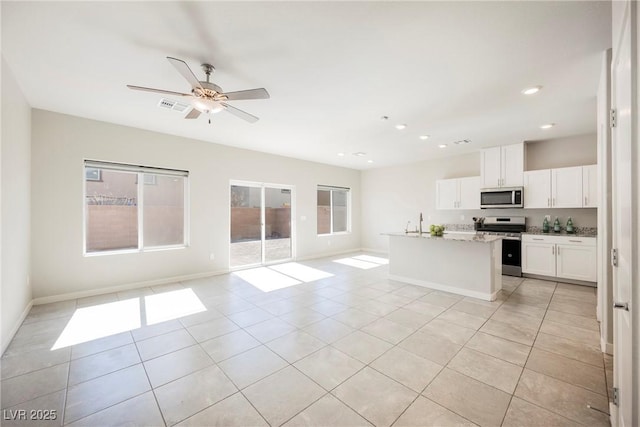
[[359, 154], [340, 154], [424, 137], [442, 146], [547, 126], [401, 127], [369, 161], [531, 90]]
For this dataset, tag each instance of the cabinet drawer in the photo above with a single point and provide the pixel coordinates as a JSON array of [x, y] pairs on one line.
[[560, 240]]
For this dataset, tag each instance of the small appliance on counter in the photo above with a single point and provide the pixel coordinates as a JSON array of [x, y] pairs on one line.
[[511, 229]]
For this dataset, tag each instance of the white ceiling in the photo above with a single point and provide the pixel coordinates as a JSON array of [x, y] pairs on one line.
[[453, 70]]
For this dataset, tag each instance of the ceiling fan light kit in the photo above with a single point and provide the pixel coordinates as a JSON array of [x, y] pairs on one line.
[[207, 97]]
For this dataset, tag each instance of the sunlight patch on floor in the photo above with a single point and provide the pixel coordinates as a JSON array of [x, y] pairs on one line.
[[353, 262], [373, 259], [301, 272], [171, 305], [99, 321], [266, 279]]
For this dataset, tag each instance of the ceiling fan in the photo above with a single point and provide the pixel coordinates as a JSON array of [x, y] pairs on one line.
[[206, 97]]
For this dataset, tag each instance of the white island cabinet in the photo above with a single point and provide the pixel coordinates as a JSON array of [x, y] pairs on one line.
[[464, 264]]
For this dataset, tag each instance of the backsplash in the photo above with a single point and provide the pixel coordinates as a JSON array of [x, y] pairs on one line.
[[582, 231]]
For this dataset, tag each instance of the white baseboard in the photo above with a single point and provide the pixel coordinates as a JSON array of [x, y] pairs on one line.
[[127, 287], [446, 288], [6, 339], [328, 254]]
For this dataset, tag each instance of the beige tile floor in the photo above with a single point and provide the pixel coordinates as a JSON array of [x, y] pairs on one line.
[[348, 350]]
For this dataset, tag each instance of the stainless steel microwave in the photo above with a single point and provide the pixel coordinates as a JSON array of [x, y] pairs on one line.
[[501, 198]]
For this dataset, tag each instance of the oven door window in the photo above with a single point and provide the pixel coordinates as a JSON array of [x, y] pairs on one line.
[[511, 252]]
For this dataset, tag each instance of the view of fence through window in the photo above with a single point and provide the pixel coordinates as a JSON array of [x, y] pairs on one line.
[[113, 209], [333, 210]]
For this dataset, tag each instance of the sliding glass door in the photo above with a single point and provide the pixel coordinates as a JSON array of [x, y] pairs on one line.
[[261, 231]]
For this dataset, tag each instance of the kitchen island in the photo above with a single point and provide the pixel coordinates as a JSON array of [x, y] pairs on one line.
[[461, 263]]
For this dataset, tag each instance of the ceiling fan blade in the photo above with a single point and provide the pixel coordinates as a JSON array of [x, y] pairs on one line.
[[193, 114], [239, 113], [166, 92], [186, 72], [260, 93]]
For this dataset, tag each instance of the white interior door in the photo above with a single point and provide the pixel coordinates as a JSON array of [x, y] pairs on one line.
[[624, 227]]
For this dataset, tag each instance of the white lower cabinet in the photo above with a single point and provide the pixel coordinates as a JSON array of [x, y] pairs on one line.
[[576, 262], [565, 257]]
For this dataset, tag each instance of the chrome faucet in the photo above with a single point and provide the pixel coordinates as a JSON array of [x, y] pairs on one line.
[[420, 222]]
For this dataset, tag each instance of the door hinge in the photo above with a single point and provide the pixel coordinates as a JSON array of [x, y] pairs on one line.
[[614, 257], [616, 396], [612, 118]]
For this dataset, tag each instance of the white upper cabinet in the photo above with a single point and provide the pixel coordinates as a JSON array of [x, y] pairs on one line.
[[537, 189], [566, 187], [512, 165], [491, 171], [446, 194], [469, 192], [590, 186], [459, 193], [502, 166]]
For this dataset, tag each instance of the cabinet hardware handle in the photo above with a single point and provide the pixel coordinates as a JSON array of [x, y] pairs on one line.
[[549, 201], [553, 250], [585, 201], [558, 252], [537, 239], [576, 241], [553, 201], [622, 305]]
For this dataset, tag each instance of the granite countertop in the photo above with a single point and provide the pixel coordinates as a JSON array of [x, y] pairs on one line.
[[460, 237], [579, 231]]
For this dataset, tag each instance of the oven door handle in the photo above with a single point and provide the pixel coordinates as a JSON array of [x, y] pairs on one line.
[[510, 238]]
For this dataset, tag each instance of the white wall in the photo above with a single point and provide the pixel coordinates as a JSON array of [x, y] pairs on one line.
[[399, 194], [60, 143], [15, 291]]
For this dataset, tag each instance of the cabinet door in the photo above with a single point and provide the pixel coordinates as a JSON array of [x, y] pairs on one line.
[[490, 170], [512, 165], [469, 192], [537, 189], [539, 258], [576, 262], [590, 186], [566, 187], [446, 194]]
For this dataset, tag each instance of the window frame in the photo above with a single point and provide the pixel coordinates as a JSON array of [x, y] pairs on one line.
[[331, 189], [140, 172]]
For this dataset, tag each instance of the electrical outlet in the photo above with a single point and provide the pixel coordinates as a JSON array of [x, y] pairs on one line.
[[548, 217], [328, 242], [461, 217], [303, 218], [212, 256]]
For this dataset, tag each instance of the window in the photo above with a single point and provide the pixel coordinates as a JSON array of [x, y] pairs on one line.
[[134, 207], [333, 210]]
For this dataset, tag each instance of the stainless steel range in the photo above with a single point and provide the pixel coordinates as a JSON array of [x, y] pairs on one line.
[[511, 229]]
